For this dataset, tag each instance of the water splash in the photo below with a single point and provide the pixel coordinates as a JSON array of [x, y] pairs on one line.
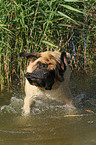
[[15, 106], [81, 101]]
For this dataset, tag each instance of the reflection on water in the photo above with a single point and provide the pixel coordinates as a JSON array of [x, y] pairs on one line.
[[51, 123]]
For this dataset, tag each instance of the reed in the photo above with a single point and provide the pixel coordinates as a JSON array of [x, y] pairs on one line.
[[39, 25]]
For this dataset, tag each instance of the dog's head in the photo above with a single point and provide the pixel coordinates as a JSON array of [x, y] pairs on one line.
[[45, 68]]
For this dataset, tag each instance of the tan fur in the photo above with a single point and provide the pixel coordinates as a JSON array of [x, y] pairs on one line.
[[60, 90]]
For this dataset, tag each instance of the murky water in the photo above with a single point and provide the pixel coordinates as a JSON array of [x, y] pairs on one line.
[[51, 123]]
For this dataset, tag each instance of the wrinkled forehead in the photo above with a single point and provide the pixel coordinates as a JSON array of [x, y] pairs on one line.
[[49, 54]]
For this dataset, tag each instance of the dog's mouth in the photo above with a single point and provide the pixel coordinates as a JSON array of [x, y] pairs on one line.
[[42, 78]]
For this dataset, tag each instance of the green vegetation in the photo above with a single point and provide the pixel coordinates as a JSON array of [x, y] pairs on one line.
[[39, 25]]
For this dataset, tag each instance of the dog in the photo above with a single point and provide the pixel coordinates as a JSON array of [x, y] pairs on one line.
[[47, 75]]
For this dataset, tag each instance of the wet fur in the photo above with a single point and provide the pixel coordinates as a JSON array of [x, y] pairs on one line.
[[55, 87]]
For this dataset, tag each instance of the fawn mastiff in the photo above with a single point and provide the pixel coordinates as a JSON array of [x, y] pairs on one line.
[[47, 75]]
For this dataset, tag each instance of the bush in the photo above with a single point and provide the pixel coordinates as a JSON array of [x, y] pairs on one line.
[[40, 25]]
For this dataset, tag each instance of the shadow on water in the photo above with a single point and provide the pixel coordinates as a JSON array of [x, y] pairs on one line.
[[51, 123]]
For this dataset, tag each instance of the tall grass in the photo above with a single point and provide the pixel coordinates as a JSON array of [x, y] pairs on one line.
[[39, 25]]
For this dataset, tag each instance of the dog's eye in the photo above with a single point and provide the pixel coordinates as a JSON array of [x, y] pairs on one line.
[[41, 65]]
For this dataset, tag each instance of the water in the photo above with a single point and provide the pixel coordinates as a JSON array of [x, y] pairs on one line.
[[51, 123]]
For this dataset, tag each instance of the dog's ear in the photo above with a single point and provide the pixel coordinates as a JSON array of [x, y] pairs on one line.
[[29, 55], [63, 60], [61, 67]]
